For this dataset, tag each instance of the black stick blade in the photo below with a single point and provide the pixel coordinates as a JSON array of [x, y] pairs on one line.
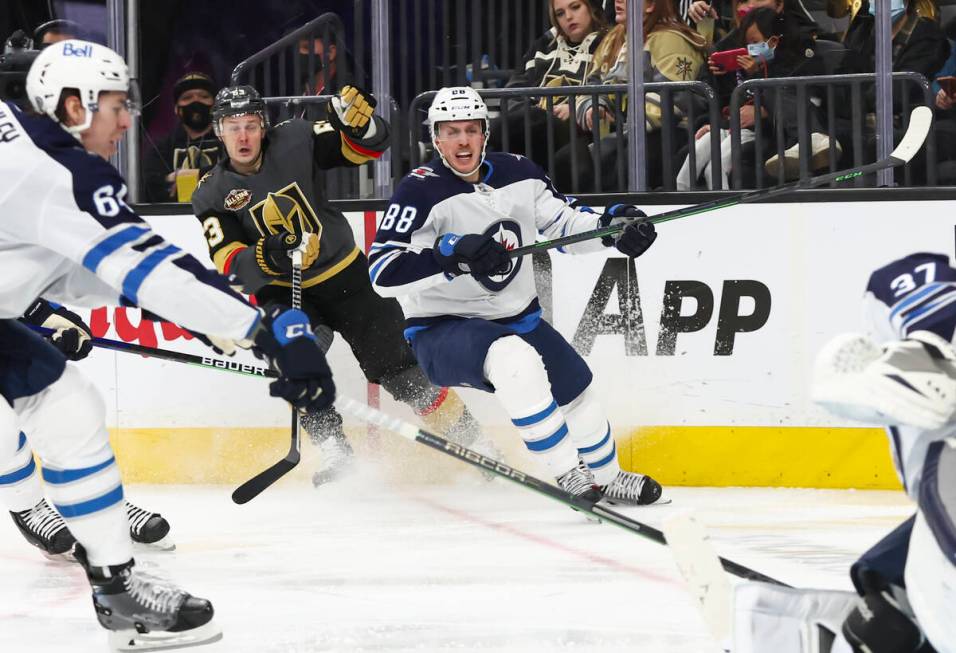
[[255, 485]]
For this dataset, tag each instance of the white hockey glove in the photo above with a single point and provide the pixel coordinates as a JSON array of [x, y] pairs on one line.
[[907, 382]]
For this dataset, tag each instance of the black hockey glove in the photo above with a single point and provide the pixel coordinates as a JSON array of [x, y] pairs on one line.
[[285, 339], [636, 238], [274, 253], [71, 336], [477, 254], [352, 111]]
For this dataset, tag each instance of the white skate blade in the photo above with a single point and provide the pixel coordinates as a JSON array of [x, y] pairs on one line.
[[663, 501], [130, 640], [701, 569], [165, 544]]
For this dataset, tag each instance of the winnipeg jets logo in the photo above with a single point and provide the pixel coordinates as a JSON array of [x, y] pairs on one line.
[[508, 233]]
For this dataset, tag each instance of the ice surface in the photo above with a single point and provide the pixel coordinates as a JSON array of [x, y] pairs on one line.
[[376, 565]]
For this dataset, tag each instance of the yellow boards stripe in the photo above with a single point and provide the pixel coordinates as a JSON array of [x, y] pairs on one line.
[[675, 455]]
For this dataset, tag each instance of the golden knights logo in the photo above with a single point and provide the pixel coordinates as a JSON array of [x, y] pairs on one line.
[[276, 213]]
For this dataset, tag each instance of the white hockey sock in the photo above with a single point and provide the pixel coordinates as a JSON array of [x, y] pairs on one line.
[[67, 428], [20, 487], [521, 385], [591, 434], [90, 498]]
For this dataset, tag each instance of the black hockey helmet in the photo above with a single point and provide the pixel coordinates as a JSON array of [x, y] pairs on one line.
[[238, 101]]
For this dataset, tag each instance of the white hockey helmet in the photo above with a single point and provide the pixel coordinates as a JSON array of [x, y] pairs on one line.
[[458, 103], [89, 67]]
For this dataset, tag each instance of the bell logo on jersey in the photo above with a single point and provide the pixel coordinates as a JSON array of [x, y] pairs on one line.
[[275, 214], [508, 233]]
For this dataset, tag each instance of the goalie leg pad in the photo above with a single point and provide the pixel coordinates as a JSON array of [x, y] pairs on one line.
[[788, 620], [931, 565]]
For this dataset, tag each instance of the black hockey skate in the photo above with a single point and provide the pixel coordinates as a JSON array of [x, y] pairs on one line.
[[44, 528], [144, 612], [628, 488], [149, 528]]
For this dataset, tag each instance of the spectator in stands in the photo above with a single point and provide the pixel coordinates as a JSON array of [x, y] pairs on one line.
[[918, 42], [776, 49], [945, 123], [674, 52], [562, 56], [57, 30], [173, 165]]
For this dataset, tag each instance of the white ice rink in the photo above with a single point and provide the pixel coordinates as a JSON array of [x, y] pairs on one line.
[[385, 566]]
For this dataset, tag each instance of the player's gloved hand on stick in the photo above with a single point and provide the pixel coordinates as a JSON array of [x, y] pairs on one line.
[[352, 114], [70, 334], [636, 237], [478, 254], [285, 338], [274, 253]]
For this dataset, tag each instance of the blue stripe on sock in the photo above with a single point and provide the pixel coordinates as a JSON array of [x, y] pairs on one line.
[[135, 277], [606, 461], [58, 477], [537, 417], [549, 442], [15, 477], [110, 244], [23, 441], [607, 436], [84, 508]]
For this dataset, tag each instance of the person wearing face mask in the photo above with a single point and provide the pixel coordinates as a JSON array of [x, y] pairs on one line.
[[774, 49], [175, 163]]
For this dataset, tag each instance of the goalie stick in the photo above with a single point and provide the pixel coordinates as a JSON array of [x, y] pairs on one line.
[[920, 121], [412, 432], [255, 485]]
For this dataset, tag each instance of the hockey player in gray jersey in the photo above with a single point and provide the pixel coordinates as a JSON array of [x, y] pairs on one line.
[[472, 313], [901, 374], [267, 189], [67, 234]]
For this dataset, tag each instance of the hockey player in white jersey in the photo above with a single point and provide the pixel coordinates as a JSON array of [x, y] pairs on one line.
[[472, 313], [901, 374], [20, 488], [67, 234]]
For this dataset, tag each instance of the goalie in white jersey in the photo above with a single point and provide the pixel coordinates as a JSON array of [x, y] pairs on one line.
[[67, 234], [902, 375], [472, 312]]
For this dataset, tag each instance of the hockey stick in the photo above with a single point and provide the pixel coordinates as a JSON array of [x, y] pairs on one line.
[[920, 121], [412, 432], [177, 356], [255, 485]]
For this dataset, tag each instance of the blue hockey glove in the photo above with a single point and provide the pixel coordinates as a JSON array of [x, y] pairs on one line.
[[286, 340], [477, 254], [636, 238]]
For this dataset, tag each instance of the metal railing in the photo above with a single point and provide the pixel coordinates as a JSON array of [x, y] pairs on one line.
[[672, 123], [277, 70], [839, 124]]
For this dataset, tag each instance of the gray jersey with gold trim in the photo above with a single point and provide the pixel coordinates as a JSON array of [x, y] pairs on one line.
[[237, 210]]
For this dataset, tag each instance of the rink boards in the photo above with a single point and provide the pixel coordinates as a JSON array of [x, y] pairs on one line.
[[702, 353]]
